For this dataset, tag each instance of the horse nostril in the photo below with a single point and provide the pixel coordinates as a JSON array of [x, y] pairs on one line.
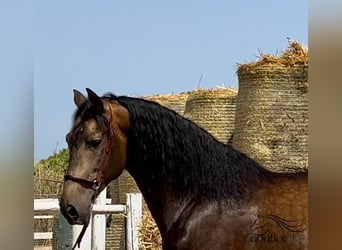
[[72, 212]]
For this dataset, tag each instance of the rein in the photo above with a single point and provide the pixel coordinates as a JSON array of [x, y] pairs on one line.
[[96, 182]]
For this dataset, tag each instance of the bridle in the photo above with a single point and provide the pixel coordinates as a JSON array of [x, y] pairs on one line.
[[96, 182]]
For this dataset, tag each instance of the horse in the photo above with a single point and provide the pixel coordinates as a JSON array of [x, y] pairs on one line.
[[202, 194]]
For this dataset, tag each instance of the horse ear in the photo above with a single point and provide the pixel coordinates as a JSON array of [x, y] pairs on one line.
[[95, 100], [79, 98]]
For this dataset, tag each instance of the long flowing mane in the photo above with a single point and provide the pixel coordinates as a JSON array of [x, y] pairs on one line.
[[164, 143]]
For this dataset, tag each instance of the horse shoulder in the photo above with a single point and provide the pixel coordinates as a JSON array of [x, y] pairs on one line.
[[209, 226]]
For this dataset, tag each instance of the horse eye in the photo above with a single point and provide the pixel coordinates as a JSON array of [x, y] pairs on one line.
[[93, 143]]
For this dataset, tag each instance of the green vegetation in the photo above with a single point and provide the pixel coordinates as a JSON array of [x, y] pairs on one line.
[[48, 175]]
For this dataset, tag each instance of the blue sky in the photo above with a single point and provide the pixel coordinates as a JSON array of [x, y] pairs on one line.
[[146, 47]]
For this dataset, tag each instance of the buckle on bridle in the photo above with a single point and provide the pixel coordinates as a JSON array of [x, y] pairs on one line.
[[96, 185]]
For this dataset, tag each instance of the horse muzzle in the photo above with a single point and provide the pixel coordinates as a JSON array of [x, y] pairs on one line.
[[74, 214], [75, 205]]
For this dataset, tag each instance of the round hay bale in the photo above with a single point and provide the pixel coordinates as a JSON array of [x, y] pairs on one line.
[[175, 102], [115, 234], [126, 185], [214, 111], [271, 120]]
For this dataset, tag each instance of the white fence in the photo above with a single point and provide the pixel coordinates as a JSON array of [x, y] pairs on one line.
[[95, 236]]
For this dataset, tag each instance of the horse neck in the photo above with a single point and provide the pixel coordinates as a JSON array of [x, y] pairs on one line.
[[161, 200], [147, 170]]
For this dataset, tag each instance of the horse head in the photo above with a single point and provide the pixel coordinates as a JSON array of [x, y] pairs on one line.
[[97, 144]]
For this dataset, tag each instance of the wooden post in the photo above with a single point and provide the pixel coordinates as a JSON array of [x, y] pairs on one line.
[[98, 241], [133, 220]]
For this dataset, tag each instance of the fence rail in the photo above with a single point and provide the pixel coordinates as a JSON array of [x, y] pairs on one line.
[[94, 237]]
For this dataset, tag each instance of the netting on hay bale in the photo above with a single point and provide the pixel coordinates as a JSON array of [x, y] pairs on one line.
[[213, 110], [271, 120], [175, 102]]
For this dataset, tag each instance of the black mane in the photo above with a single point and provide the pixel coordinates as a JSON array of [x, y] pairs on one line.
[[169, 146]]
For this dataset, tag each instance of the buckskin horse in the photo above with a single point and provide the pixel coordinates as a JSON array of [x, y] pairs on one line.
[[202, 194]]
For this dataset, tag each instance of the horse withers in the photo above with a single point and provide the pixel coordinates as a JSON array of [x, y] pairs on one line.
[[202, 194]]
